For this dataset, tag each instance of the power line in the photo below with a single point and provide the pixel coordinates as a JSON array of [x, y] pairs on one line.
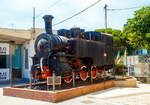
[[77, 13], [124, 8], [48, 8]]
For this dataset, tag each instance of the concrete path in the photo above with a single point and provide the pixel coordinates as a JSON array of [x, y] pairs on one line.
[[113, 96]]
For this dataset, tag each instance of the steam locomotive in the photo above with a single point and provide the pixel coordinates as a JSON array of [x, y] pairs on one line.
[[84, 54]]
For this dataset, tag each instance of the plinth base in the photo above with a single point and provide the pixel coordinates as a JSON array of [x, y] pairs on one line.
[[58, 95]]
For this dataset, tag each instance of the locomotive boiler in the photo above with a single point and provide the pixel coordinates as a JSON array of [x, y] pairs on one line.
[[75, 53]]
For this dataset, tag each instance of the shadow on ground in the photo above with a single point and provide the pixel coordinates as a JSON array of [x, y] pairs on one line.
[[15, 83]]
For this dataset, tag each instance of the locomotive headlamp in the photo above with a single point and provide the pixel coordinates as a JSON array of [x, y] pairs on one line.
[[42, 45], [105, 54]]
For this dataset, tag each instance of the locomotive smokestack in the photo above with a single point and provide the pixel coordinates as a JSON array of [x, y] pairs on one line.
[[48, 23]]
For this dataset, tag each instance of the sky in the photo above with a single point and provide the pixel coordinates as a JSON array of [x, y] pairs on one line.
[[18, 14]]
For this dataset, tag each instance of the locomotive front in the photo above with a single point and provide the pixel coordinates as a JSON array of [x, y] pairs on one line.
[[47, 43], [48, 47], [76, 55]]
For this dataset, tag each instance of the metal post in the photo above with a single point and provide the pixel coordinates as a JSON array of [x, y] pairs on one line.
[[114, 62], [105, 7], [128, 70], [59, 87], [73, 78], [104, 77], [33, 37], [126, 55], [148, 73], [53, 80], [10, 64], [30, 79], [91, 78], [104, 72], [90, 36], [22, 50], [47, 87], [47, 83]]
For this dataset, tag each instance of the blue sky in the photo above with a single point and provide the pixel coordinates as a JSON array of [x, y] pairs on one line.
[[17, 14]]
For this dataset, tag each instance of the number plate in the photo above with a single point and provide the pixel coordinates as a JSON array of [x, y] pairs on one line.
[[57, 80]]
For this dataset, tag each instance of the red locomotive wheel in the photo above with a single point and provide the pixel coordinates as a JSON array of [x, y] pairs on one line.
[[68, 79], [93, 72], [46, 73], [83, 73]]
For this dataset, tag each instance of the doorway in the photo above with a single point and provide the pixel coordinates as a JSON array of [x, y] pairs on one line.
[[17, 62]]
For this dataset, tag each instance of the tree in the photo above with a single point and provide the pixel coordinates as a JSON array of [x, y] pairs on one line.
[[109, 30], [137, 30], [119, 37]]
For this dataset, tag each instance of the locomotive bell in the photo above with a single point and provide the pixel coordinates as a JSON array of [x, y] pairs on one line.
[[48, 24]]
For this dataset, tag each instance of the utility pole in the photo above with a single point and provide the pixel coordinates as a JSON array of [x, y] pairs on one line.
[[10, 64], [33, 23], [32, 38], [105, 7]]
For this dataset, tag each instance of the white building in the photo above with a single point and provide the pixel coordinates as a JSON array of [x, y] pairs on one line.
[[21, 44]]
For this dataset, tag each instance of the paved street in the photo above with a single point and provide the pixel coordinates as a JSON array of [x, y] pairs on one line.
[[113, 96]]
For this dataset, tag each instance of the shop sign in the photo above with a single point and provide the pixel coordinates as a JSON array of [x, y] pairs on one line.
[[4, 74], [4, 49], [144, 52]]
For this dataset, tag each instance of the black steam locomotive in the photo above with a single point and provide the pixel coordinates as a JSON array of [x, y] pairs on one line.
[[84, 54]]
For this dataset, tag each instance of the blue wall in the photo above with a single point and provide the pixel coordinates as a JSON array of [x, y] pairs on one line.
[[17, 57]]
